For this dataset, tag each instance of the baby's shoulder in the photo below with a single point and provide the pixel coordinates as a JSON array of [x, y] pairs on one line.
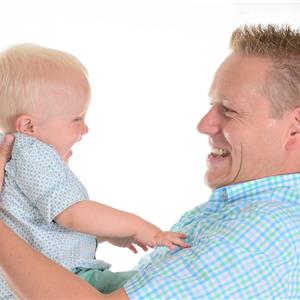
[[27, 149]]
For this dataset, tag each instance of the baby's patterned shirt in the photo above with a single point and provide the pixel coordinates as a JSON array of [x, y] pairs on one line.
[[38, 186]]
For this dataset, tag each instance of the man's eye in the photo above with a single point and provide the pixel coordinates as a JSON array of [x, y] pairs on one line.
[[227, 110]]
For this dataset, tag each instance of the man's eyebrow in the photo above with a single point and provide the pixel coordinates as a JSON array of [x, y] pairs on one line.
[[223, 98], [218, 99], [210, 97]]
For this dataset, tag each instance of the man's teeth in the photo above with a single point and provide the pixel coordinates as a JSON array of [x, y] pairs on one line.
[[219, 152]]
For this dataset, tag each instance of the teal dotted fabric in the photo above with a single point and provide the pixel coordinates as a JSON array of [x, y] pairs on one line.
[[38, 186]]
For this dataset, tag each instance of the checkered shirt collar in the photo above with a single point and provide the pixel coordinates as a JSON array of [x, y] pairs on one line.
[[246, 190]]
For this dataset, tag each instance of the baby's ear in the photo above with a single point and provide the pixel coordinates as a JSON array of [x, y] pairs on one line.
[[24, 124]]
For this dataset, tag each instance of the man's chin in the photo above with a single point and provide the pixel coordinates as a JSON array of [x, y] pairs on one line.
[[215, 181], [212, 184]]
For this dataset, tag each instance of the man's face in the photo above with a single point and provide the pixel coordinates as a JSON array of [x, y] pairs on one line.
[[246, 142]]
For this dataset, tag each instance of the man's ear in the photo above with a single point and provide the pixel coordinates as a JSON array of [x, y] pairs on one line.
[[293, 141], [25, 124]]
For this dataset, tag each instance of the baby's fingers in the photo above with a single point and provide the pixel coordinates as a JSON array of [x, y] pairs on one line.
[[132, 248], [179, 242], [168, 244], [171, 240], [143, 246], [171, 244]]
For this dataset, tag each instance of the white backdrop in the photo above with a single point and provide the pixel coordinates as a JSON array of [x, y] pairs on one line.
[[150, 65]]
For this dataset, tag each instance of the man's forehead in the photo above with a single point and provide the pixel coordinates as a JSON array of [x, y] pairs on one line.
[[230, 88]]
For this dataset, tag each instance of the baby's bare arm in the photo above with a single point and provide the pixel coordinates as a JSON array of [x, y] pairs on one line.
[[104, 221], [99, 219]]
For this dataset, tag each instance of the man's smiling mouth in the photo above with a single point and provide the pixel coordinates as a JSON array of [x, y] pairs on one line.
[[219, 152]]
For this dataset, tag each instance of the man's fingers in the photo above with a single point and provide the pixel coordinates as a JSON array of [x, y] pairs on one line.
[[5, 148], [5, 153]]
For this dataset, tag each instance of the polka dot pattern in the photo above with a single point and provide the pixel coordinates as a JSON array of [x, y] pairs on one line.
[[38, 186]]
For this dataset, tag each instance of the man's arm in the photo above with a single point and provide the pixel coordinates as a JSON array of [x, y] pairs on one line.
[[22, 267]]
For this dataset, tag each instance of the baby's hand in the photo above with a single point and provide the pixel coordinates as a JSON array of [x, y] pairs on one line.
[[152, 236], [126, 242], [170, 239]]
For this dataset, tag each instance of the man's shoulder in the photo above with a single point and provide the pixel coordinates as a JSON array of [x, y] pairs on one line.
[[261, 227], [261, 212]]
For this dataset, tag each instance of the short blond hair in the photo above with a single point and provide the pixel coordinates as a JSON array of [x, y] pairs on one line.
[[26, 68], [281, 44]]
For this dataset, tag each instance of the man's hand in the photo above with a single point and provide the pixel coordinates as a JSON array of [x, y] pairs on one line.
[[5, 153]]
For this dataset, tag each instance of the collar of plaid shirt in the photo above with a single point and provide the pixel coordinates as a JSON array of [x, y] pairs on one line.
[[255, 190]]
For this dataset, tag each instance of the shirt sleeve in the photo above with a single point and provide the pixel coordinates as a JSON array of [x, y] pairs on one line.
[[45, 179], [242, 259]]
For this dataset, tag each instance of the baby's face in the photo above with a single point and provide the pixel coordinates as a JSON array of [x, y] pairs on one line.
[[63, 124]]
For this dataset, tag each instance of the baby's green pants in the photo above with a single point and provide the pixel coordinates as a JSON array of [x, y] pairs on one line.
[[104, 281]]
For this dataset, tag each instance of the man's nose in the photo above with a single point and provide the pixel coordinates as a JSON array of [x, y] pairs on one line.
[[210, 123]]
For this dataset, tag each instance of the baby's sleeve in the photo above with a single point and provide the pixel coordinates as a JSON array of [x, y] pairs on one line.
[[45, 179]]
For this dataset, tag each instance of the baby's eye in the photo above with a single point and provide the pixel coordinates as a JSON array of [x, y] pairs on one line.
[[77, 119]]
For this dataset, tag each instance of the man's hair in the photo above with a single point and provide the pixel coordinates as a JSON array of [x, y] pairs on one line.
[[25, 71], [281, 44]]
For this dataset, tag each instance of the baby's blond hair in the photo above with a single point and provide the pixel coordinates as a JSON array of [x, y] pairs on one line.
[[281, 44], [25, 70]]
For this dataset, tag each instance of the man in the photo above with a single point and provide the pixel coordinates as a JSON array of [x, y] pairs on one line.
[[245, 242]]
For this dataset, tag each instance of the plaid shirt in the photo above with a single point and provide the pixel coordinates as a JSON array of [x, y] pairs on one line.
[[244, 244]]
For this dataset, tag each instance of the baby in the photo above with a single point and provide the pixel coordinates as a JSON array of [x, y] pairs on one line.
[[44, 97]]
